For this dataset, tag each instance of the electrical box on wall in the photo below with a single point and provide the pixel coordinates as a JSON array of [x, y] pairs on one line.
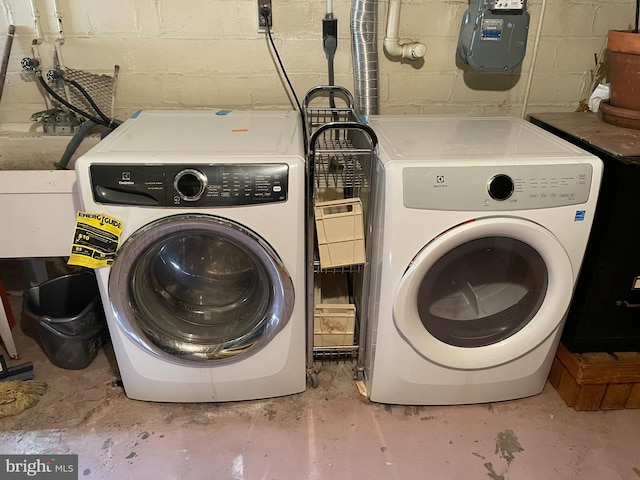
[[493, 35]]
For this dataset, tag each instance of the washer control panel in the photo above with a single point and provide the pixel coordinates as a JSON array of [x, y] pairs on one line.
[[514, 187], [179, 185]]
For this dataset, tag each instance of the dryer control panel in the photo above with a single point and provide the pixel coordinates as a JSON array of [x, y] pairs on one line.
[[179, 185], [509, 187]]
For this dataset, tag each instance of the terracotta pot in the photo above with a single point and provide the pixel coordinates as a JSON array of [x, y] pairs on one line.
[[624, 57], [621, 117]]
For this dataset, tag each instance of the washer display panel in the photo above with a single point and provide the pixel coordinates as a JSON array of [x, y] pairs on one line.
[[200, 289], [484, 293]]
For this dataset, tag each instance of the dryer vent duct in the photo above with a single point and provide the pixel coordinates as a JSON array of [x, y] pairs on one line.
[[364, 47]]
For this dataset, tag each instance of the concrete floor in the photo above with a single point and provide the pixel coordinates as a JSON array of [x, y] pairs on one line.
[[332, 432]]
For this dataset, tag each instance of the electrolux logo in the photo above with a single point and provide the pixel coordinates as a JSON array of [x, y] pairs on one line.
[[126, 179], [50, 467], [440, 182]]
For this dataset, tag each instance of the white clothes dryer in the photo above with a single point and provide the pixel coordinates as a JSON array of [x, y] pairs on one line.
[[480, 230], [205, 298]]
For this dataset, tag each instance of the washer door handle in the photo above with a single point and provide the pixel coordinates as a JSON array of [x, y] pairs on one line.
[[108, 195]]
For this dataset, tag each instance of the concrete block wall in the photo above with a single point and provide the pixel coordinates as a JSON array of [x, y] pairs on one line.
[[176, 54]]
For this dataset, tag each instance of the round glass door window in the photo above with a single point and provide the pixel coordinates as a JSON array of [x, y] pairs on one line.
[[482, 291], [200, 289]]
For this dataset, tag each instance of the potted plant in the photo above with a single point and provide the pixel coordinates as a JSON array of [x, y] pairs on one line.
[[624, 58], [623, 107]]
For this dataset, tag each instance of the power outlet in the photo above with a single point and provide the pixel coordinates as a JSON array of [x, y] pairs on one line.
[[262, 24]]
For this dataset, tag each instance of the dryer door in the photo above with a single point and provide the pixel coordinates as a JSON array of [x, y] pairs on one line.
[[484, 293], [200, 290]]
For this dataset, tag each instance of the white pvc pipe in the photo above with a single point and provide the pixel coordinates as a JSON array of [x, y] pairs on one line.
[[36, 21], [60, 40], [37, 41], [411, 50], [534, 54], [58, 46], [329, 7], [58, 21]]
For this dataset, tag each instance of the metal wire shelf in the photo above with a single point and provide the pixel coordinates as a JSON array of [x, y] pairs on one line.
[[340, 151], [342, 269], [339, 165], [336, 353]]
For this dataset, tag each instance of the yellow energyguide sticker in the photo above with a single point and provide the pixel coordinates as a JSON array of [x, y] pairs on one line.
[[95, 240]]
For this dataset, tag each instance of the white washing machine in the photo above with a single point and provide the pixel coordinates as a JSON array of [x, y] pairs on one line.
[[481, 227], [205, 297]]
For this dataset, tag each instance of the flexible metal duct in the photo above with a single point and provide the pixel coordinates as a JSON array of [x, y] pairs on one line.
[[364, 48]]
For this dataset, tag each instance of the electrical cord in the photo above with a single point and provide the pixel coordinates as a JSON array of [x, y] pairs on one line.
[[265, 15], [330, 45]]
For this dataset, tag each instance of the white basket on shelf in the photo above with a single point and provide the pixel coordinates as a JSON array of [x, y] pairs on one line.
[[340, 232], [334, 324]]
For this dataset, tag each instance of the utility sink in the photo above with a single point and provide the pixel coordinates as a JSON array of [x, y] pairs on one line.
[[38, 203], [36, 151]]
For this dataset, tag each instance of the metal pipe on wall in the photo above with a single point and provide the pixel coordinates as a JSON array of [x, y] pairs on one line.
[[364, 48], [5, 57], [534, 55]]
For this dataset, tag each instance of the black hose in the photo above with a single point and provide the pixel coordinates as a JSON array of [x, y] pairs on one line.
[[51, 92], [74, 143], [86, 95], [635, 30]]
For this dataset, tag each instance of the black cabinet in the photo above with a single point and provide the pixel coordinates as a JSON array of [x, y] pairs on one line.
[[605, 310]]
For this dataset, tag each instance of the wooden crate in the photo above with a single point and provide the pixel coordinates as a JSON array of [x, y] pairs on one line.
[[597, 381]]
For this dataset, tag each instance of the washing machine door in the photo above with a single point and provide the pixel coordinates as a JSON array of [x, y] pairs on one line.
[[484, 293], [200, 290]]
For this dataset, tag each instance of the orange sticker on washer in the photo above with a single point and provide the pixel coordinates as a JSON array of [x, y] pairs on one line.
[[95, 240]]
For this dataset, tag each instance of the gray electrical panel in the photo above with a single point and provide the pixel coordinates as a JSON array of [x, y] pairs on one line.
[[493, 34]]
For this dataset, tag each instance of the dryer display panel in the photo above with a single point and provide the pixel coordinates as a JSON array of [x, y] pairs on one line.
[[181, 185], [504, 188]]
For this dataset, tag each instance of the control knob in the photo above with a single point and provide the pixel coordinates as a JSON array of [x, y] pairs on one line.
[[500, 187], [190, 184]]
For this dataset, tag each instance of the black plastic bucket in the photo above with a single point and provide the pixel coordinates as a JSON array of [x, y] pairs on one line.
[[69, 318]]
